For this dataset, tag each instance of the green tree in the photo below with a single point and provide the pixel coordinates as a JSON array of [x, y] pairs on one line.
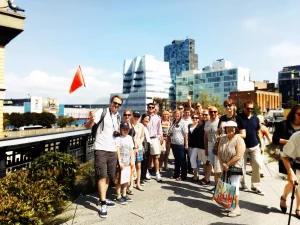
[[46, 119], [239, 106], [256, 109], [208, 100], [62, 121], [6, 121], [71, 120], [16, 119], [31, 118], [291, 103]]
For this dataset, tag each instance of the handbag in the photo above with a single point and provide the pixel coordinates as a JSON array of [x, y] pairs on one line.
[[234, 171], [225, 194], [215, 148], [274, 150]]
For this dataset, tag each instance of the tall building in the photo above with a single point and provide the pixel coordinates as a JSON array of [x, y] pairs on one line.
[[144, 78], [288, 84], [220, 79], [181, 57]]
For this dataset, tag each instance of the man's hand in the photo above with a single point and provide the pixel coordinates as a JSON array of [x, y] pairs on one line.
[[188, 97], [186, 147], [206, 152], [121, 166], [161, 140], [92, 115], [261, 150], [292, 177]]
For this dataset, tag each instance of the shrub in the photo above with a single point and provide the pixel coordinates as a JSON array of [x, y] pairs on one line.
[[65, 164], [23, 201]]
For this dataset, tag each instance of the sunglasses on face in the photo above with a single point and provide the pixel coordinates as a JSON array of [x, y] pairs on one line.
[[204, 114], [117, 104], [250, 109], [151, 107], [127, 114], [211, 112], [180, 108], [198, 106], [228, 105], [136, 116], [195, 118]]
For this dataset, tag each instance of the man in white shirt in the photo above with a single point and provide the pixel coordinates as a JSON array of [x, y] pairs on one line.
[[105, 149]]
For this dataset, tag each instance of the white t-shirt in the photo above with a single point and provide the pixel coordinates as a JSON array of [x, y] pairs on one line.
[[292, 147], [211, 130], [104, 139], [126, 146], [187, 121]]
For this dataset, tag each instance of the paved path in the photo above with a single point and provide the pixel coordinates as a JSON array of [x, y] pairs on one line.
[[184, 202]]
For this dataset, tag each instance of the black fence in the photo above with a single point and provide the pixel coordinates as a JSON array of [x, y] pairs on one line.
[[17, 154]]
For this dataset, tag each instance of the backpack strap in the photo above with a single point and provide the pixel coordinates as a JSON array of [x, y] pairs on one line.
[[102, 118]]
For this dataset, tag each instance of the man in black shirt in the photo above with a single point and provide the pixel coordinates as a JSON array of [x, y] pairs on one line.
[[254, 147]]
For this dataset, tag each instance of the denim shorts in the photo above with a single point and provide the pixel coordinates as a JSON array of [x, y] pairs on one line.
[[139, 157]]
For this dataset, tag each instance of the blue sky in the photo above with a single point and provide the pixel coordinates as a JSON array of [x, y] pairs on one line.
[[99, 35]]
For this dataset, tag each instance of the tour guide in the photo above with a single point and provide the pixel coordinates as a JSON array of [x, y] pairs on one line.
[[105, 149]]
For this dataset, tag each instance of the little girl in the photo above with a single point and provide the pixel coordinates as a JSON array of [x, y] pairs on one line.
[[125, 158]]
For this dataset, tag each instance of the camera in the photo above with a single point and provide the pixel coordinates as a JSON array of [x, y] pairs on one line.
[[169, 134], [116, 134]]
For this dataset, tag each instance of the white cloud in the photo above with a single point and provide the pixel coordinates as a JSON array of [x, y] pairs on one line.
[[99, 84], [257, 26], [286, 50]]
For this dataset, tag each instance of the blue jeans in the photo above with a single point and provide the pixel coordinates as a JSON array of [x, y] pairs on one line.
[[180, 161]]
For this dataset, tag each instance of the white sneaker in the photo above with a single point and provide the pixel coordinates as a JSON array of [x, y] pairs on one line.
[[148, 177], [158, 177]]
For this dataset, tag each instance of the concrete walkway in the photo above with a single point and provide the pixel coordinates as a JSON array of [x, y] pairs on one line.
[[184, 202]]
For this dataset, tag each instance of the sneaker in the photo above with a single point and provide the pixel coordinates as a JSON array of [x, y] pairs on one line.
[[158, 177], [213, 190], [148, 177], [244, 188], [127, 199], [110, 204], [257, 191], [103, 211], [121, 201], [142, 183]]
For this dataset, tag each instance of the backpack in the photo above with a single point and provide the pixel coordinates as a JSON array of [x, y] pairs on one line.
[[101, 121]]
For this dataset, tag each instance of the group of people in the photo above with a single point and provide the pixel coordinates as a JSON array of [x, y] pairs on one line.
[[222, 143]]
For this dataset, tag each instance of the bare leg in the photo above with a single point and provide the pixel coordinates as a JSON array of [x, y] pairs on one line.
[[124, 188], [286, 191], [217, 176], [102, 188], [208, 172], [156, 163], [138, 174]]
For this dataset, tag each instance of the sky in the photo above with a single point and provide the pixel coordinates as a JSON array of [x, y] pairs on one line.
[[99, 35]]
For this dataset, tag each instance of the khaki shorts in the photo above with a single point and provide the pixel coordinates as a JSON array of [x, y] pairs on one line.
[[155, 146], [201, 155]]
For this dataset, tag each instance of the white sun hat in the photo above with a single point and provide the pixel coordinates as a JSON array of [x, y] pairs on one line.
[[230, 124]]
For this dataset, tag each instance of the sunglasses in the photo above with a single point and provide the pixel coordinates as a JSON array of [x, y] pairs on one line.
[[228, 105], [250, 109], [117, 104], [180, 108], [204, 114], [127, 114], [136, 116], [195, 117], [198, 106], [151, 107], [212, 112]]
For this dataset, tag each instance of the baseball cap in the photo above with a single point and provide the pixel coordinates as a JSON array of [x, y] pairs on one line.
[[136, 113], [124, 125], [230, 124]]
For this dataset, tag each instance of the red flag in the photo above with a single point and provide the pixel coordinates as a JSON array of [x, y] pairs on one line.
[[78, 80]]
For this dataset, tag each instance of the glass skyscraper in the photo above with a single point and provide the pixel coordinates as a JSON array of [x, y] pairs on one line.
[[144, 78], [181, 57]]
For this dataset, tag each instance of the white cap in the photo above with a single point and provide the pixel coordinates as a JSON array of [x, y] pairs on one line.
[[230, 124]]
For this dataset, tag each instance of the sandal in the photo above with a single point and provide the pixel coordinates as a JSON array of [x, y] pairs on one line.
[[129, 191], [233, 214], [203, 181], [297, 215], [178, 179], [283, 208], [139, 188]]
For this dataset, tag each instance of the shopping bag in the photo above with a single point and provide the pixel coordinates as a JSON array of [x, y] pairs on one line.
[[125, 175], [225, 194]]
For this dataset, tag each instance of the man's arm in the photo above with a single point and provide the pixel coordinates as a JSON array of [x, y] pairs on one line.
[[91, 121]]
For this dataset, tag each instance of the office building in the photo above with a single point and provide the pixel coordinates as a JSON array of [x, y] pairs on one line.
[[288, 84], [181, 57], [144, 79], [266, 100], [218, 80]]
